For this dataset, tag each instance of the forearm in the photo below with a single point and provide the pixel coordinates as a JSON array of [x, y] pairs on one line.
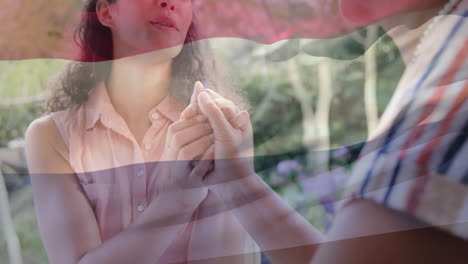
[[277, 228], [147, 238], [392, 236]]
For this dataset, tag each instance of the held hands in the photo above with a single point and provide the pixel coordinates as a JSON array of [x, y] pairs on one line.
[[210, 145], [185, 141], [233, 140]]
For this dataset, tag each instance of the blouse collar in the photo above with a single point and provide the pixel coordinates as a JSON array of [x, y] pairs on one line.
[[99, 107]]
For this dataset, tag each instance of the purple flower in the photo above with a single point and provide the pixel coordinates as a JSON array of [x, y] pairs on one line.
[[341, 153], [278, 180], [340, 176], [324, 185], [328, 204], [321, 185], [287, 167]]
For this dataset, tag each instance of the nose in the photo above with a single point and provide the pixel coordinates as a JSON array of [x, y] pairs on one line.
[[169, 4]]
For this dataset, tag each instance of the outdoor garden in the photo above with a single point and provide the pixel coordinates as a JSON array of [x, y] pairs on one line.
[[312, 104]]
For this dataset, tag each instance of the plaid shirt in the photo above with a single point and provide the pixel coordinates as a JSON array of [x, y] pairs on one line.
[[417, 161]]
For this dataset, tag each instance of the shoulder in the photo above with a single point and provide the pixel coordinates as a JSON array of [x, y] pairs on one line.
[[42, 129], [43, 136]]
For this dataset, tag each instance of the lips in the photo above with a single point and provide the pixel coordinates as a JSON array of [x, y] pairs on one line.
[[164, 23]]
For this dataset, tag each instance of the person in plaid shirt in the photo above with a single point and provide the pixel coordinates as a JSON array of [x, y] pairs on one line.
[[407, 200]]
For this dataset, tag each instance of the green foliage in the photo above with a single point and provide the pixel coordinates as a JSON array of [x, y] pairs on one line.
[[23, 87], [26, 78], [15, 119], [276, 113]]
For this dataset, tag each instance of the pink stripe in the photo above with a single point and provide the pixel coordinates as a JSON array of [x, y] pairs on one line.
[[418, 186]]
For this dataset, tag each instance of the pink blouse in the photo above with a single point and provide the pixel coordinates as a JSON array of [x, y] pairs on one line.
[[98, 139]]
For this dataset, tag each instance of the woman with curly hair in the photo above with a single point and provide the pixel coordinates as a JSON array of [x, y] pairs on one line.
[[102, 161]]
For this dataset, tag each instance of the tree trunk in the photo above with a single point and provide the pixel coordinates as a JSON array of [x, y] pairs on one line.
[[322, 114], [370, 86], [14, 249], [315, 125]]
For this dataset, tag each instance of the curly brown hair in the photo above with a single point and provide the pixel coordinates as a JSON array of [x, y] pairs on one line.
[[73, 85]]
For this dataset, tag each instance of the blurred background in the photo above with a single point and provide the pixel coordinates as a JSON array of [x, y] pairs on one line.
[[313, 104]]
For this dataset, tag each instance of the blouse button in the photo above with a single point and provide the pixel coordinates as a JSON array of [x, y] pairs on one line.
[[141, 208], [140, 172], [155, 116], [147, 146]]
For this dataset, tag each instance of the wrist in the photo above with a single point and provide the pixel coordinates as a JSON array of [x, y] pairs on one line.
[[186, 200], [242, 191]]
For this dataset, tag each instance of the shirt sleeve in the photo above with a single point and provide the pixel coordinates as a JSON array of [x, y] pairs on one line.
[[418, 162]]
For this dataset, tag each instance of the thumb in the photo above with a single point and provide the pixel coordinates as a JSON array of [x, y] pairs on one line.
[[241, 120], [198, 88], [214, 114], [192, 109]]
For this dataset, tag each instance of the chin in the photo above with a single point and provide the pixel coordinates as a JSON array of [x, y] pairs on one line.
[[169, 53], [160, 55]]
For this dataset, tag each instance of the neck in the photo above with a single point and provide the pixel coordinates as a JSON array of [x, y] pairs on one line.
[[407, 29], [136, 86]]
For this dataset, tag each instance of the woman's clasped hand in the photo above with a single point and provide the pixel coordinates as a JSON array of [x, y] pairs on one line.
[[210, 145]]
